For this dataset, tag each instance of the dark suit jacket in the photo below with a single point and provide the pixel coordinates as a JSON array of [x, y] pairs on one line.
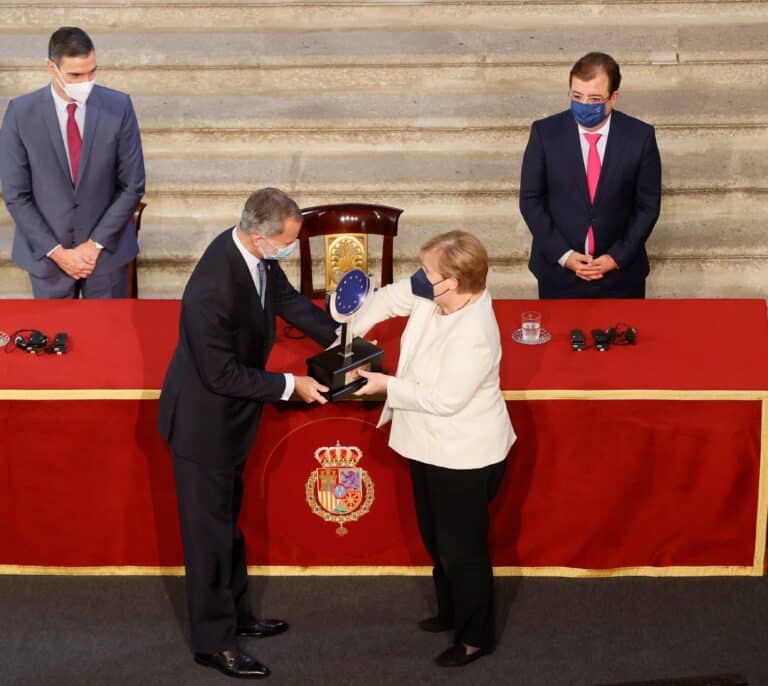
[[554, 199], [37, 186], [215, 385]]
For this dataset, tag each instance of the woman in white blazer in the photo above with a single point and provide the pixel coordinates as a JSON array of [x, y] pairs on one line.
[[450, 420]]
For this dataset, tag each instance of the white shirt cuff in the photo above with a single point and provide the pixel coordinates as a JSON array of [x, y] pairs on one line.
[[98, 245], [52, 250], [290, 384], [564, 258]]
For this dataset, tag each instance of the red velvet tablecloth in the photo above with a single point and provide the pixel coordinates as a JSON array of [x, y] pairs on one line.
[[646, 459]]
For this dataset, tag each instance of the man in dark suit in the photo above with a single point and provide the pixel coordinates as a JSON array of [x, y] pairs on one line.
[[209, 412], [590, 191], [72, 172]]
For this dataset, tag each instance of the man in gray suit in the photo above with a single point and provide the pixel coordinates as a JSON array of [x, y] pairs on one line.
[[72, 172]]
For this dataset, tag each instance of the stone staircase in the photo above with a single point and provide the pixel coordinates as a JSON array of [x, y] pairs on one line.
[[422, 105]]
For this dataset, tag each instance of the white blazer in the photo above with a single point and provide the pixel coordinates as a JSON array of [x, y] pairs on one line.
[[444, 402]]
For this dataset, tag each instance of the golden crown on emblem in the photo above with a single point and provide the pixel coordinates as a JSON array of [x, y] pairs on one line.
[[338, 455]]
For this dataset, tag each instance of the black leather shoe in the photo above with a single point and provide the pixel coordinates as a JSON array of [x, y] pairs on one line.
[[456, 656], [435, 625], [234, 663], [262, 628]]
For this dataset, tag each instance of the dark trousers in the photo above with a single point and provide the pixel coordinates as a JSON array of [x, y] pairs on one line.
[[452, 513], [591, 289], [214, 552], [111, 285]]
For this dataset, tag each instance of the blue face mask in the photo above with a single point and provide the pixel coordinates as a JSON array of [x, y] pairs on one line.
[[588, 115], [423, 287], [280, 253]]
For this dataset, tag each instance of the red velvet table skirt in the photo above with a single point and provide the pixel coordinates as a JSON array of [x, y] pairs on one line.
[[641, 478]]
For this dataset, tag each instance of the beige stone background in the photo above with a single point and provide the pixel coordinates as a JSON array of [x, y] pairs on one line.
[[421, 105]]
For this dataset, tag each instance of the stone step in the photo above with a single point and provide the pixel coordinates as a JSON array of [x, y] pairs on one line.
[[670, 278], [738, 212], [708, 165], [413, 79], [198, 188], [630, 44], [157, 15], [143, 54], [230, 124], [695, 227]]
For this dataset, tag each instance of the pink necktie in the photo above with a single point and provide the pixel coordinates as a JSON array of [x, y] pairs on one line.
[[74, 141], [593, 176]]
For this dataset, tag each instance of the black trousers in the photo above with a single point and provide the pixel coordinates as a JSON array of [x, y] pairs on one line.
[[452, 513], [214, 552]]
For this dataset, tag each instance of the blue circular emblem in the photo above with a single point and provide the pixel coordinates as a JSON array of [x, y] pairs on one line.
[[339, 491], [351, 291]]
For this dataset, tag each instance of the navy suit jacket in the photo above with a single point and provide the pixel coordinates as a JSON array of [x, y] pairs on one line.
[[37, 185], [554, 199], [216, 383]]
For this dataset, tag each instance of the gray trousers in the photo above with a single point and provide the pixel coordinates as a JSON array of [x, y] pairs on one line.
[[111, 285]]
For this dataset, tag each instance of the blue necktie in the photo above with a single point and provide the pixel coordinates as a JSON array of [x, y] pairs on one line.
[[262, 276]]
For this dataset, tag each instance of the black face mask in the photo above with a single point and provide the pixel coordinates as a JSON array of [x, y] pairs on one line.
[[423, 287]]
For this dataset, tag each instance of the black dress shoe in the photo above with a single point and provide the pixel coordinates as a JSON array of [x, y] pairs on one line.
[[234, 663], [435, 625], [456, 656], [262, 628]]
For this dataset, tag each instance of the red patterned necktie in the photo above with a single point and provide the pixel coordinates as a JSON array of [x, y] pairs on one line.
[[74, 141], [593, 176]]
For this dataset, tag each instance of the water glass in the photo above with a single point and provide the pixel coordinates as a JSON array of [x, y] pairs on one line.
[[531, 325]]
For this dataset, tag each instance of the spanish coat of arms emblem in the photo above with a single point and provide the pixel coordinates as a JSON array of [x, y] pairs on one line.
[[338, 490]]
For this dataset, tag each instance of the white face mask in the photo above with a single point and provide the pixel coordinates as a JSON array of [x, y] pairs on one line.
[[79, 92], [280, 253]]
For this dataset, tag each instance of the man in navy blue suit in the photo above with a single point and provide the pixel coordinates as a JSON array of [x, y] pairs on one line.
[[72, 172], [210, 407], [590, 191]]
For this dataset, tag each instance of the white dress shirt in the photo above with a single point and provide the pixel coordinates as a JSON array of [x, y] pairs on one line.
[[63, 116], [601, 143], [252, 262]]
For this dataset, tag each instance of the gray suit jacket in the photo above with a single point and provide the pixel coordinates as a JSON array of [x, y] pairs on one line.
[[37, 186]]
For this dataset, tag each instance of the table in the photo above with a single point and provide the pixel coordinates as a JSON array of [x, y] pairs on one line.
[[649, 459]]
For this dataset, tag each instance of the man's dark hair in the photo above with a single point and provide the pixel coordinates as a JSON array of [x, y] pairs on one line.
[[69, 41], [589, 66], [266, 210]]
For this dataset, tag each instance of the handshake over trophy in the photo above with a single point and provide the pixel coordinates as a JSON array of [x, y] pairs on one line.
[[337, 366]]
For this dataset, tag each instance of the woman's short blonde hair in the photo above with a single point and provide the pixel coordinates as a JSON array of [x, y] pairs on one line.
[[460, 255]]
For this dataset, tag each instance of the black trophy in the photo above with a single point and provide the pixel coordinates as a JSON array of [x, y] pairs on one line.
[[336, 366]]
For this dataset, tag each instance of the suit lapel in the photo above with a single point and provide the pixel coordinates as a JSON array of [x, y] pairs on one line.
[[244, 281], [48, 109], [575, 159], [92, 112]]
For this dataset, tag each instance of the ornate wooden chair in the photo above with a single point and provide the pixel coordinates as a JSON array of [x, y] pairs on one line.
[[346, 228]]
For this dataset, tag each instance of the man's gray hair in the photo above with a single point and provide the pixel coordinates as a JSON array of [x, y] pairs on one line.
[[266, 210]]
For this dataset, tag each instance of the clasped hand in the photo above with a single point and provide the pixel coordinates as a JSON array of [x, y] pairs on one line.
[[588, 268], [78, 262]]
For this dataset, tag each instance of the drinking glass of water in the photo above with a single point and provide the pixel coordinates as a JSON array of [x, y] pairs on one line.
[[531, 324]]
